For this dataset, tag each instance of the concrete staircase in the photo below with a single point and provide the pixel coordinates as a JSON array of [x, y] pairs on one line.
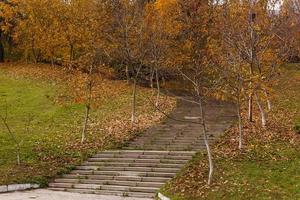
[[142, 167], [128, 173]]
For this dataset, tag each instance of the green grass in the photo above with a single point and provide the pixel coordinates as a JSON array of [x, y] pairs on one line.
[[269, 178], [48, 132], [288, 93], [35, 120], [266, 170]]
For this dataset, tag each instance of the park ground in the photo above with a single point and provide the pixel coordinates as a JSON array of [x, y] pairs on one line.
[[42, 194], [45, 109], [267, 167]]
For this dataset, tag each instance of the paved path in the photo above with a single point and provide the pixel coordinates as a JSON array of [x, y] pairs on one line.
[[53, 195], [141, 168]]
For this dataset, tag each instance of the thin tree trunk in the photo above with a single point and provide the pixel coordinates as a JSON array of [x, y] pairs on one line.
[[268, 100], [262, 111], [209, 154], [18, 149], [163, 80], [250, 108], [127, 74], [88, 105], [158, 88], [133, 104], [86, 119], [252, 52], [18, 155], [151, 77], [240, 125]]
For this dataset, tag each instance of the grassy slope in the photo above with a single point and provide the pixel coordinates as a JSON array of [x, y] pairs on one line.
[[269, 166], [48, 128]]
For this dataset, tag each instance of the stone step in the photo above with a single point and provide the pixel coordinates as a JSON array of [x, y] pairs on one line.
[[124, 173], [141, 168], [137, 153], [143, 152], [69, 177], [110, 182], [165, 147], [106, 192], [105, 187], [135, 169], [162, 148], [133, 160], [141, 156], [132, 164]]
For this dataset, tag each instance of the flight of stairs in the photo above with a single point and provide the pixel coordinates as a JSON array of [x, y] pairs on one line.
[[128, 173], [142, 167]]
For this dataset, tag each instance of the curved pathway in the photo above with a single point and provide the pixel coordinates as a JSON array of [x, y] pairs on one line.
[[141, 168]]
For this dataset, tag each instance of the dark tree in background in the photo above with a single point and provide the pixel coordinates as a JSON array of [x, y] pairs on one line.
[[1, 48]]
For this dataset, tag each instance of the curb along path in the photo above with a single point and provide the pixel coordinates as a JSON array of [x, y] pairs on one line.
[[148, 162]]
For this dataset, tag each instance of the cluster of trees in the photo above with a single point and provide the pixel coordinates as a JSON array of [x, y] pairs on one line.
[[227, 49]]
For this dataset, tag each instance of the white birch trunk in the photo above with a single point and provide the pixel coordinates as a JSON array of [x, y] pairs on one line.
[[127, 74], [85, 123], [268, 100], [133, 105], [240, 126], [262, 111], [87, 106], [209, 154], [158, 88]]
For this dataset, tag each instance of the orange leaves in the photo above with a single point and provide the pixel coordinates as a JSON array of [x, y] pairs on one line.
[[168, 11], [50, 30]]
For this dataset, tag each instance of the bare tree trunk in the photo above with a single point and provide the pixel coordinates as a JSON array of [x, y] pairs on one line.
[[252, 54], [163, 80], [86, 119], [240, 125], [158, 88], [250, 108], [87, 106], [268, 100], [152, 77], [12, 135], [262, 111], [127, 74], [133, 104], [209, 154]]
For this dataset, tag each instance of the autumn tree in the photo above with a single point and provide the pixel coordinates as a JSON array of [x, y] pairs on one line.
[[7, 14], [128, 39], [251, 32], [290, 28], [189, 26], [93, 48]]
